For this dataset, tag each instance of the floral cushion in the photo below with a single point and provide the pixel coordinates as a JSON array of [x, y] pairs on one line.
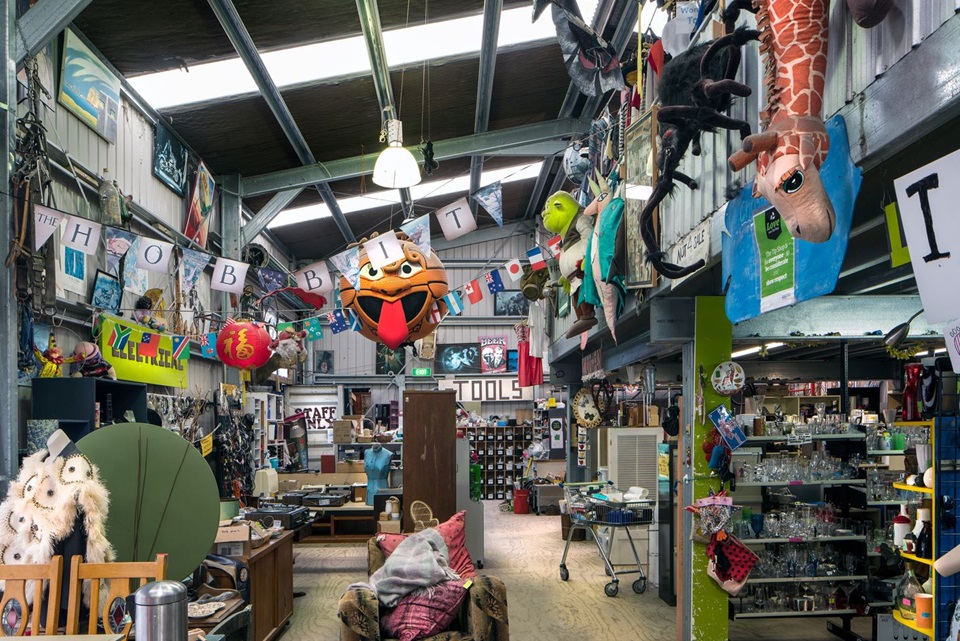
[[452, 531], [424, 612]]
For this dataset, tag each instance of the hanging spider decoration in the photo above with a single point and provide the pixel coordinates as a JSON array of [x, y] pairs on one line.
[[695, 88], [429, 164]]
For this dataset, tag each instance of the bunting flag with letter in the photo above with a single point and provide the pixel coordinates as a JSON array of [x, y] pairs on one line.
[[348, 264], [315, 278], [192, 264], [491, 198], [271, 280], [435, 314], [454, 303], [554, 246], [118, 241], [456, 219], [154, 255], [473, 292], [514, 269], [181, 348], [148, 345], [494, 282], [536, 258], [338, 322], [229, 276], [418, 231], [46, 221], [119, 337], [383, 250], [81, 234], [313, 329], [208, 345]]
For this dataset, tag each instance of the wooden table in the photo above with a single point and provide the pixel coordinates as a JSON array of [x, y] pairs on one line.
[[355, 513], [210, 622], [271, 586]]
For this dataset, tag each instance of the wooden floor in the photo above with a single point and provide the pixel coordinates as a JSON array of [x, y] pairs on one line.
[[524, 551]]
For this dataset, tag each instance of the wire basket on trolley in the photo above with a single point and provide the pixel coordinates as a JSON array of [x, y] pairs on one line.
[[605, 505]]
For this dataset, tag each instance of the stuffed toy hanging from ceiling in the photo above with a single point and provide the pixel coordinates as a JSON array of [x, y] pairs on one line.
[[394, 303], [794, 141], [602, 281]]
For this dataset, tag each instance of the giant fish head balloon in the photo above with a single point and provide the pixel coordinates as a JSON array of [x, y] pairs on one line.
[[394, 303]]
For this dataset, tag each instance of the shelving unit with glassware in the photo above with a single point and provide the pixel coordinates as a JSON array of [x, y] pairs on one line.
[[812, 559], [267, 410]]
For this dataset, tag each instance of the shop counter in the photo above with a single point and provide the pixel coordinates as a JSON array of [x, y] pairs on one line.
[[271, 586], [350, 522]]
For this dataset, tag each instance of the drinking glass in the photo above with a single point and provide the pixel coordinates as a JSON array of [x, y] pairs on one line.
[[756, 522]]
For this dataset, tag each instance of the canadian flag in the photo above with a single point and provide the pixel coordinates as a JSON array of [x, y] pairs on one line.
[[514, 269], [554, 245], [473, 292]]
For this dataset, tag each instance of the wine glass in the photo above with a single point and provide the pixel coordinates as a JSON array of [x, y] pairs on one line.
[[760, 597], [756, 522], [850, 564]]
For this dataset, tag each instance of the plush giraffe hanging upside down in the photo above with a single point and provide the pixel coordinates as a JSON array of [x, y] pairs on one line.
[[794, 143]]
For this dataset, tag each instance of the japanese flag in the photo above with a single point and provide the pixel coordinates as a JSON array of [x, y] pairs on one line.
[[514, 269]]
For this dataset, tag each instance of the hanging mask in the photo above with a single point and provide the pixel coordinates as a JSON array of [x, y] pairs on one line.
[[394, 304]]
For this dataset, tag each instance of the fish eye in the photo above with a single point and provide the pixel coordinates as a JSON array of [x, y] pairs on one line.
[[793, 184], [408, 269], [370, 272]]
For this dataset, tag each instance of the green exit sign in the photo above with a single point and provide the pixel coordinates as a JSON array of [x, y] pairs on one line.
[[422, 371]]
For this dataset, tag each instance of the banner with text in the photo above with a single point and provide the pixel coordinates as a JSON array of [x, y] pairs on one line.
[[487, 389], [118, 343]]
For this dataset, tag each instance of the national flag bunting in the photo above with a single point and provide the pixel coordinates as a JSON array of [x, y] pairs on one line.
[[536, 258], [554, 246], [435, 314], [119, 337], [355, 324], [494, 282], [514, 269], [288, 327], [473, 291], [454, 303], [313, 329], [208, 345], [338, 322], [149, 344], [181, 348]]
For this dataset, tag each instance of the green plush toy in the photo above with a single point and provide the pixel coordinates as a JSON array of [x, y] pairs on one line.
[[563, 215]]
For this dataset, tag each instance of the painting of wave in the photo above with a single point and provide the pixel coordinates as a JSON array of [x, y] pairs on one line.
[[88, 89]]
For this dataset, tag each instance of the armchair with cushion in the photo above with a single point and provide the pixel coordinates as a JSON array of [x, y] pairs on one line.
[[482, 616]]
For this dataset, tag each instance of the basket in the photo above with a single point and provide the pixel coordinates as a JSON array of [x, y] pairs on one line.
[[383, 438], [364, 439]]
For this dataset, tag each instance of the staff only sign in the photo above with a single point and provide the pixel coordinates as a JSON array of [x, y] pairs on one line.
[[141, 355]]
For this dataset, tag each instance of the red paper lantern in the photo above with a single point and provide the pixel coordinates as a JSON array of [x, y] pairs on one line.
[[243, 344]]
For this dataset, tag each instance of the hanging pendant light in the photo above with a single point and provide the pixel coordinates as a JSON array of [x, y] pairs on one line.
[[396, 167], [898, 334]]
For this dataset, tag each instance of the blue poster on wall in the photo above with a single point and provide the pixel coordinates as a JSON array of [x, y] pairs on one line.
[[796, 270]]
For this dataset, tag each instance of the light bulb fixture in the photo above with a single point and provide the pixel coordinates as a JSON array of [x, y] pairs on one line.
[[898, 334], [396, 167]]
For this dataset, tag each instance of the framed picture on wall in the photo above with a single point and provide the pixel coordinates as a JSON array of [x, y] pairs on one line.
[[322, 362], [390, 361], [106, 292], [640, 174], [510, 302], [169, 160], [513, 360], [458, 358], [88, 89]]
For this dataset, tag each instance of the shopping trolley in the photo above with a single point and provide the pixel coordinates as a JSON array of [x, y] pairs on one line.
[[590, 504]]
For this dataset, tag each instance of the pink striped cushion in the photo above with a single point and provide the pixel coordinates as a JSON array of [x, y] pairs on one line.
[[425, 612]]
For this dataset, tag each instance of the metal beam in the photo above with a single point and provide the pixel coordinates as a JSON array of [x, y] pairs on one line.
[[42, 23], [9, 422], [231, 218], [488, 64], [373, 36], [483, 235], [538, 149], [883, 122], [445, 149], [240, 38], [269, 211], [845, 317]]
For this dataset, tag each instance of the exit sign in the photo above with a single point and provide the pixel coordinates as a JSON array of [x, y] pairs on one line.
[[422, 371]]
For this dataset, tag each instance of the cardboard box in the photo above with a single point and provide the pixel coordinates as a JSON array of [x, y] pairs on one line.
[[390, 527], [232, 540], [343, 431]]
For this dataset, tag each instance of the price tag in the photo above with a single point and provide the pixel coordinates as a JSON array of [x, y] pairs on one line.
[[206, 445]]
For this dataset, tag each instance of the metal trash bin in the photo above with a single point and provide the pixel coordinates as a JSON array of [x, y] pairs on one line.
[[161, 611]]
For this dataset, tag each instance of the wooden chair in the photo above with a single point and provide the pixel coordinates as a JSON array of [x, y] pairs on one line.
[[236, 627], [119, 576], [17, 579]]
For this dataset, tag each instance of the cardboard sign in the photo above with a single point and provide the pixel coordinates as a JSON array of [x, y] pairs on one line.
[[154, 255], [119, 343], [456, 219], [488, 389], [315, 278], [229, 276], [928, 199]]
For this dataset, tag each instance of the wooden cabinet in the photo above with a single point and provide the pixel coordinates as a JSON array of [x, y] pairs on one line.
[[271, 586], [429, 453]]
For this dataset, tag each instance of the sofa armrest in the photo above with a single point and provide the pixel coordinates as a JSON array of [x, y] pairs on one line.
[[375, 556], [359, 614], [487, 618]]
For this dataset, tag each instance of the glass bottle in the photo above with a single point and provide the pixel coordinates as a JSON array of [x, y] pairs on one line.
[[925, 542], [907, 589], [110, 212], [910, 397]]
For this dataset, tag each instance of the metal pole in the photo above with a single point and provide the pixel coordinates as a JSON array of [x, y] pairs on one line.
[[231, 220], [845, 378], [9, 419], [685, 595]]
